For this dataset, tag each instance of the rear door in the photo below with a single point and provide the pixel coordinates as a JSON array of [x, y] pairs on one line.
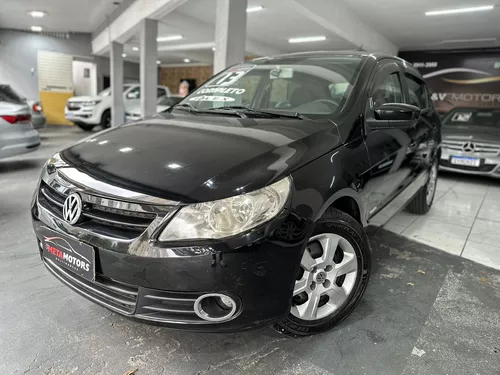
[[390, 150], [425, 135]]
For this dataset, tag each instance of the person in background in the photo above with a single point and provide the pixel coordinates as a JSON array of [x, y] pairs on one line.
[[184, 88]]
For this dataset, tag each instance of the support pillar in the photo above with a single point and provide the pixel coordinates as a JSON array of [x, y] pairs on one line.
[[149, 68], [116, 68], [230, 33]]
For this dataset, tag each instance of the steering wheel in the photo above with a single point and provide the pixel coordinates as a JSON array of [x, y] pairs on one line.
[[328, 102]]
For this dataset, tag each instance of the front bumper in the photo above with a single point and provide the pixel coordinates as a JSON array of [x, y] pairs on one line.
[[489, 164], [21, 142], [86, 115], [258, 271]]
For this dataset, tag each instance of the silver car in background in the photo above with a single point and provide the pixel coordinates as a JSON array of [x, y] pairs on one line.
[[471, 141], [17, 135], [38, 119]]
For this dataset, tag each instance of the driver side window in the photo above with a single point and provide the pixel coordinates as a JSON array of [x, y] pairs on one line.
[[387, 90], [134, 93]]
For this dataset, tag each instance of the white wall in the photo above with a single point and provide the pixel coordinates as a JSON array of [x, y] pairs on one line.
[[84, 78], [18, 58], [130, 71]]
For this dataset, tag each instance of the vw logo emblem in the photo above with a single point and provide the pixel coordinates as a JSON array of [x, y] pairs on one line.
[[468, 147], [72, 209], [321, 277]]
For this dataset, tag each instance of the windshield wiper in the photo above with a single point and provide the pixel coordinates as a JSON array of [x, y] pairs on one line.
[[191, 108], [263, 112], [185, 107]]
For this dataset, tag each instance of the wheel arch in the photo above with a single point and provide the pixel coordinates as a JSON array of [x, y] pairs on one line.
[[348, 201]]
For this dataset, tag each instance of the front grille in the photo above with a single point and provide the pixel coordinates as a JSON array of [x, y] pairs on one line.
[[110, 293], [482, 148], [101, 219], [167, 306], [481, 168]]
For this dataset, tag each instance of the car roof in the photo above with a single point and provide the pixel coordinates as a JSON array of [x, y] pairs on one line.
[[377, 56]]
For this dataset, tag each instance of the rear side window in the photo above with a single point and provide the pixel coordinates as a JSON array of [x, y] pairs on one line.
[[8, 95], [417, 92]]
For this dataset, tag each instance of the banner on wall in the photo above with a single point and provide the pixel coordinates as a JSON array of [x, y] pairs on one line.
[[465, 79]]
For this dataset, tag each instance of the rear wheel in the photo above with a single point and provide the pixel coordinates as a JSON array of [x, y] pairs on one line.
[[106, 119], [334, 273], [422, 202], [86, 127]]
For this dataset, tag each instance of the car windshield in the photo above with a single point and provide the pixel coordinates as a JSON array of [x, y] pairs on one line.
[[8, 95], [312, 86], [476, 117], [169, 100], [107, 92]]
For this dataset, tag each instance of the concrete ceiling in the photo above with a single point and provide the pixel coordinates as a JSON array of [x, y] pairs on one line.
[[401, 22], [405, 24], [347, 24], [63, 15]]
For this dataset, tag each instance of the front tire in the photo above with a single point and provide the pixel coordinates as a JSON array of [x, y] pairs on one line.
[[334, 273], [106, 119], [422, 202]]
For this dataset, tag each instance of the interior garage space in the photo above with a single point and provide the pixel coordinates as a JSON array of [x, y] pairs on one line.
[[249, 186]]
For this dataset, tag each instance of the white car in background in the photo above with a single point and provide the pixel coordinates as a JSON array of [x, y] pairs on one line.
[[17, 135], [90, 111], [163, 104]]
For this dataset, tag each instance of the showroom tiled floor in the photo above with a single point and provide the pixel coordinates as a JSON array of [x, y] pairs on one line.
[[464, 219]]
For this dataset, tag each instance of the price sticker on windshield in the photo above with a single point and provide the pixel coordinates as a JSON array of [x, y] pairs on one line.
[[232, 75]]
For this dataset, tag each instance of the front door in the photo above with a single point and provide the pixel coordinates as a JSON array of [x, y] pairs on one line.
[[391, 150]]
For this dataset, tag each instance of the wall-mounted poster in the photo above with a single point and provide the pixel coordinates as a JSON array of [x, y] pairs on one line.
[[459, 79]]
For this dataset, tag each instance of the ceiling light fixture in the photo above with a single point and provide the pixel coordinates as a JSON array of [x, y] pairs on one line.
[[474, 40], [169, 38], [307, 39], [124, 55], [187, 61], [255, 9], [158, 62], [213, 49], [37, 14], [135, 48], [36, 29], [459, 10]]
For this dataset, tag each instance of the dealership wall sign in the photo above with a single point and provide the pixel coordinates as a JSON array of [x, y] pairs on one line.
[[464, 79]]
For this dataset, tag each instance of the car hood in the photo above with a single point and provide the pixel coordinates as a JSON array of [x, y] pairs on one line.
[[196, 158], [488, 134], [136, 109], [84, 98]]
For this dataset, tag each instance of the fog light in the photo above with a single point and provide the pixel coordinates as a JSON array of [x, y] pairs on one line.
[[215, 307], [225, 302]]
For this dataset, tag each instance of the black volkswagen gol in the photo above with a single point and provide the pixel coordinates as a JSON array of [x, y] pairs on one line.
[[245, 205]]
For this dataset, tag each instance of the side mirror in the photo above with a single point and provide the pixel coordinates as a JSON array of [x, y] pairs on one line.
[[395, 115]]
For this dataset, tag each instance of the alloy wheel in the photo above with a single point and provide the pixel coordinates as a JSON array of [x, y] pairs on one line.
[[329, 268]]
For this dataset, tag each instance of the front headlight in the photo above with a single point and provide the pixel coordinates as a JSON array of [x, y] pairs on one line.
[[91, 103], [228, 217]]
